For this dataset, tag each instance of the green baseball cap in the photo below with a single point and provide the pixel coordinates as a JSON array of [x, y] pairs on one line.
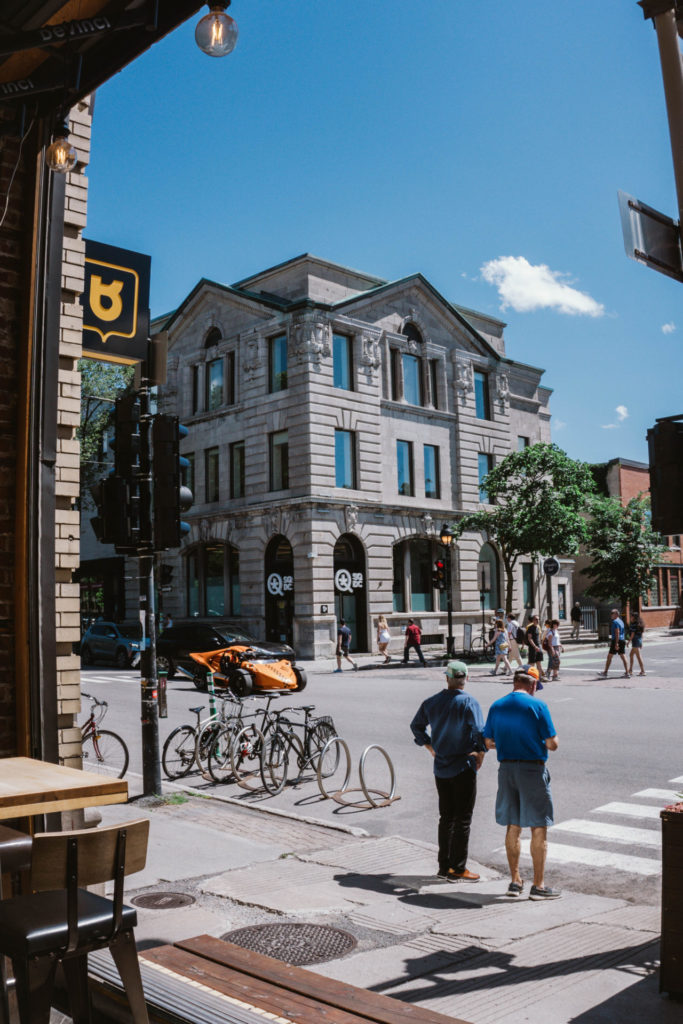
[[455, 669]]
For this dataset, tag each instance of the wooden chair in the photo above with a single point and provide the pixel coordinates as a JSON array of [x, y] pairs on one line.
[[59, 922], [15, 857]]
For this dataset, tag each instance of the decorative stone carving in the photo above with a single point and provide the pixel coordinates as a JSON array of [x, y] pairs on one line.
[[503, 390], [371, 355], [427, 524], [464, 380], [252, 361], [204, 530], [310, 335], [275, 521], [351, 518]]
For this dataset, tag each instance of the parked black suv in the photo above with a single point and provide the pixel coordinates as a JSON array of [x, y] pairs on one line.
[[177, 642]]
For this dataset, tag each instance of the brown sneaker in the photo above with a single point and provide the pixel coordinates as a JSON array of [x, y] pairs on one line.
[[463, 876]]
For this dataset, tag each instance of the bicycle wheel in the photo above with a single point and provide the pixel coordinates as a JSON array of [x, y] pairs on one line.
[[109, 754], [206, 737], [219, 761], [489, 653], [245, 757], [318, 737], [177, 757], [275, 762]]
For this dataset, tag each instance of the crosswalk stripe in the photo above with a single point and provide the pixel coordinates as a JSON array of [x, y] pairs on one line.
[[667, 795], [628, 810], [561, 854], [678, 781], [614, 833]]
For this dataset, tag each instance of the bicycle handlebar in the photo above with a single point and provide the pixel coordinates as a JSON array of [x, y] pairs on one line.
[[100, 703]]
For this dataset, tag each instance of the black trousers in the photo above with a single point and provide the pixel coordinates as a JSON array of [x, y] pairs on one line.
[[406, 652], [456, 806]]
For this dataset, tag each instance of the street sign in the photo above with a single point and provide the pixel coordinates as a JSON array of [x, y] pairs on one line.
[[651, 237], [551, 566], [115, 303]]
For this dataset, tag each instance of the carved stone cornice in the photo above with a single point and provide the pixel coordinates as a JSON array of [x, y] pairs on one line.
[[310, 337], [503, 390], [464, 380], [350, 518], [251, 345], [371, 352]]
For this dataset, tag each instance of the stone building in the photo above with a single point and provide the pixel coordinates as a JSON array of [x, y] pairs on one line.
[[336, 421]]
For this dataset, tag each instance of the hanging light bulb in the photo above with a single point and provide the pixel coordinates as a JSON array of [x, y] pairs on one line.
[[60, 155], [216, 32]]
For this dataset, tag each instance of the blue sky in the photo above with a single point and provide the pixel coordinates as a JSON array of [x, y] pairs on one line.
[[481, 144]]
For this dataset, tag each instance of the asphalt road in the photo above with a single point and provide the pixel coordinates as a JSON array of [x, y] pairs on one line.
[[620, 759]]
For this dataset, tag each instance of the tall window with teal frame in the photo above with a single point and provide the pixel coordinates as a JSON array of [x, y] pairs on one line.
[[484, 465], [342, 362], [345, 459]]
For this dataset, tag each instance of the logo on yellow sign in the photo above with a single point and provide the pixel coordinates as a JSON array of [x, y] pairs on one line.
[[111, 300]]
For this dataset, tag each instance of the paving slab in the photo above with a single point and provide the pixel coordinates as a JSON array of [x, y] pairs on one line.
[[158, 927], [500, 987], [290, 887]]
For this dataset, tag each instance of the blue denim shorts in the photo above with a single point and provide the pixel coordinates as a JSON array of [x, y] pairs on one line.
[[524, 796]]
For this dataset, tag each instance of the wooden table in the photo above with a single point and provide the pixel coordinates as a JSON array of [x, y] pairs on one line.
[[29, 787]]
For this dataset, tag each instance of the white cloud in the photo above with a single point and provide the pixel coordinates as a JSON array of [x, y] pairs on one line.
[[668, 328], [608, 426], [526, 287], [622, 413]]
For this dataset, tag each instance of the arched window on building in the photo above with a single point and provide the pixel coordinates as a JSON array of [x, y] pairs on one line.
[[213, 581], [212, 338], [488, 572]]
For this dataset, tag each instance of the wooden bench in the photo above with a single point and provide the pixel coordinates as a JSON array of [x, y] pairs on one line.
[[260, 983]]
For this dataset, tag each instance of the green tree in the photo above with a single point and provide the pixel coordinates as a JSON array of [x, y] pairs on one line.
[[538, 499], [623, 548], [101, 385]]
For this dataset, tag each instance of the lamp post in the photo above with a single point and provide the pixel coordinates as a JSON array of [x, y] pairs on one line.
[[446, 538]]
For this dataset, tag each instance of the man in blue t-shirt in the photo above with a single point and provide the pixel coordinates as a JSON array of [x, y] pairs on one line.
[[519, 728], [617, 633], [343, 644], [455, 741]]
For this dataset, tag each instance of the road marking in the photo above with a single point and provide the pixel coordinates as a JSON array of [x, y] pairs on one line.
[[628, 810], [678, 781], [561, 854], [667, 795], [614, 833]]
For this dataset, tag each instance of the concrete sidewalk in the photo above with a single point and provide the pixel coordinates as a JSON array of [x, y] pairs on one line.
[[464, 950]]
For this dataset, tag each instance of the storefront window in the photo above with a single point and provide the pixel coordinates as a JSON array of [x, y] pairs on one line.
[[213, 581], [487, 556], [421, 590], [399, 580], [528, 584], [193, 584]]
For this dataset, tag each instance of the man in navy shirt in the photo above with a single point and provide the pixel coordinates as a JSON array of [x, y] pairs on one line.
[[617, 645], [455, 741], [519, 728], [343, 643]]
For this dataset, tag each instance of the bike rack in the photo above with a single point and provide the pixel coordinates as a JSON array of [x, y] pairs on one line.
[[370, 794]]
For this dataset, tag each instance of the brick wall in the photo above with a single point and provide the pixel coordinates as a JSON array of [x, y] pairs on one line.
[[67, 476]]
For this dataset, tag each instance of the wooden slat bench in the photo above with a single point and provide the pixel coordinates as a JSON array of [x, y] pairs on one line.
[[289, 993]]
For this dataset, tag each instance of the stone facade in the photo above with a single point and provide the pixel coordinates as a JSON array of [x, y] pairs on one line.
[[388, 369]]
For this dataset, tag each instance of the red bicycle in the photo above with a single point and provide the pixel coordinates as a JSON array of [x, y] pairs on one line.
[[104, 752]]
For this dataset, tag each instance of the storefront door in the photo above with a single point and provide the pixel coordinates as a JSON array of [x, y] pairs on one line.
[[350, 589], [279, 595]]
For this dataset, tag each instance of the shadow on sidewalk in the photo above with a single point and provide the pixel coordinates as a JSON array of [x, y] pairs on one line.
[[639, 1002], [450, 897]]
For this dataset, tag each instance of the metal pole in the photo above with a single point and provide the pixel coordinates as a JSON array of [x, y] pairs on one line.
[[151, 768], [672, 77], [449, 599]]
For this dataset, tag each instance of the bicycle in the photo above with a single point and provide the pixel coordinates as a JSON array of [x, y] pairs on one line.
[[235, 752], [189, 745], [481, 649], [285, 744], [109, 754]]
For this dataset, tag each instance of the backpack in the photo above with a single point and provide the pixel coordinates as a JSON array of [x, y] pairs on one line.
[[521, 635]]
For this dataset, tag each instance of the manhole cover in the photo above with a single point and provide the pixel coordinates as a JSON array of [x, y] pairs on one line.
[[162, 900], [295, 944]]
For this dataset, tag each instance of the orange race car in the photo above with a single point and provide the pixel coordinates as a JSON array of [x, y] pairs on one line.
[[241, 669]]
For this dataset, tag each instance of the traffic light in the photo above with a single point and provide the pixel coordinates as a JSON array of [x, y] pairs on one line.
[[665, 445], [439, 575], [111, 522], [166, 575], [171, 496]]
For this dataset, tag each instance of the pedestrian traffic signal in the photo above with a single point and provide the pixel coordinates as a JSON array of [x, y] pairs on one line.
[[110, 523], [665, 444], [439, 575], [171, 496]]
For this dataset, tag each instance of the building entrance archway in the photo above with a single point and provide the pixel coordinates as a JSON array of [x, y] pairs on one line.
[[279, 596], [350, 586]]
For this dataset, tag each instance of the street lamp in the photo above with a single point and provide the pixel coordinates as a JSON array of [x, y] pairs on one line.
[[447, 537]]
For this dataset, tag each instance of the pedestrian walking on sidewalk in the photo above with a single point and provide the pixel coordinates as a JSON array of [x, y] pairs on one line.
[[555, 648], [576, 616], [519, 728], [617, 645], [533, 639], [413, 639], [513, 629], [383, 637], [449, 725], [343, 644], [501, 646], [636, 628]]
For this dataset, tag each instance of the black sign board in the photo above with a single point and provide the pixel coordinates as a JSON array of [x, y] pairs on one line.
[[551, 566], [115, 303], [651, 237]]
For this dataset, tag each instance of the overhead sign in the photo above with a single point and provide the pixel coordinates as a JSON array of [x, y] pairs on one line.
[[551, 566], [115, 303], [651, 237]]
